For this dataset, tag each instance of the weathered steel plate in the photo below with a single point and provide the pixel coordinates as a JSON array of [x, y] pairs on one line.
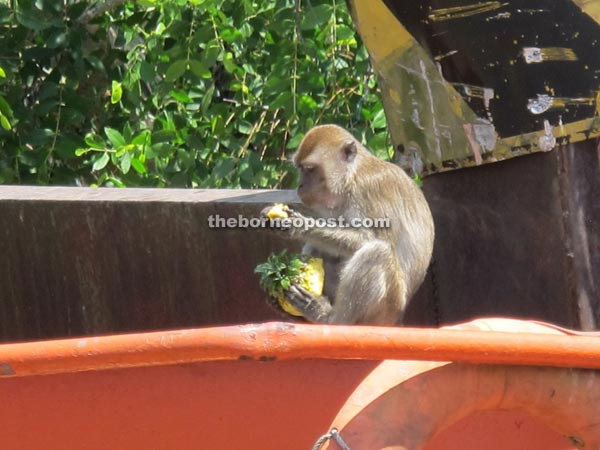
[[467, 83]]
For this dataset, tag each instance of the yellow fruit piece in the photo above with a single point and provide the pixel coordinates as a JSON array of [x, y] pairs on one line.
[[312, 279], [313, 276], [278, 211], [287, 307]]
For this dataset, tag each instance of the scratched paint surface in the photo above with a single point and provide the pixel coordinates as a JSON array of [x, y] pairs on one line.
[[477, 82]]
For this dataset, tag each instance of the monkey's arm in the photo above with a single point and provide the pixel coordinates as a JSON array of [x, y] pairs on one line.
[[339, 241]]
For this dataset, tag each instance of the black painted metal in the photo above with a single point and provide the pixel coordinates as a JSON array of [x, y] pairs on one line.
[[486, 50]]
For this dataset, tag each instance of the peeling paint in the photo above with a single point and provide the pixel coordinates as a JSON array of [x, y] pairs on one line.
[[475, 147], [482, 139], [544, 102], [436, 133], [486, 94], [534, 55], [499, 16], [445, 55], [547, 141], [532, 11], [433, 95], [409, 156], [416, 119], [459, 12], [486, 136], [540, 104]]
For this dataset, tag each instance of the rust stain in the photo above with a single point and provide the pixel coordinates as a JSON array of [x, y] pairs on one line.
[[459, 12]]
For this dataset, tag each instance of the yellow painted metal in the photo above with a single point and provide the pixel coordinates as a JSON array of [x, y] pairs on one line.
[[590, 7]]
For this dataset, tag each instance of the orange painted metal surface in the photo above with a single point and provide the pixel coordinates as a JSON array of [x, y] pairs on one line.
[[406, 404], [276, 386], [429, 405], [227, 405], [284, 341], [500, 430]]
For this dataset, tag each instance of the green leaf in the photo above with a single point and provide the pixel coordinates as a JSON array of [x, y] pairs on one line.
[[244, 127], [176, 70], [4, 122], [147, 72], [138, 166], [283, 100], [5, 108], [94, 141], [101, 162], [2, 73], [379, 121], [199, 69], [57, 39], [116, 92], [95, 62], [142, 138], [180, 96], [307, 104], [280, 271], [345, 35], [115, 137], [210, 54], [228, 63], [32, 18], [316, 17], [223, 168], [66, 146], [295, 141], [163, 136], [125, 163]]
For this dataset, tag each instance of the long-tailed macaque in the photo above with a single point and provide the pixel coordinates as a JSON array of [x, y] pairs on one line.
[[370, 273]]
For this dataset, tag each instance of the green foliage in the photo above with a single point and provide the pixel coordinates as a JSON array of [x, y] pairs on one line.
[[280, 272], [207, 93]]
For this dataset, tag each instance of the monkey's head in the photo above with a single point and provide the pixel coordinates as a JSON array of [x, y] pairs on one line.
[[326, 159]]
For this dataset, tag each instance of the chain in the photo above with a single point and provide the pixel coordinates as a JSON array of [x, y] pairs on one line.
[[334, 433]]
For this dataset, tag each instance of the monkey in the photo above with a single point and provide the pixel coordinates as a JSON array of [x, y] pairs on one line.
[[370, 273]]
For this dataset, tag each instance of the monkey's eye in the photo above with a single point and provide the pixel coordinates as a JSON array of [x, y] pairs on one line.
[[307, 169]]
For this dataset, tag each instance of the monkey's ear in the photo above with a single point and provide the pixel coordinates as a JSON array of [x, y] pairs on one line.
[[349, 150]]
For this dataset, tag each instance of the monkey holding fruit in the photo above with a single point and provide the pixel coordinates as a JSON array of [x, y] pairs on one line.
[[370, 273]]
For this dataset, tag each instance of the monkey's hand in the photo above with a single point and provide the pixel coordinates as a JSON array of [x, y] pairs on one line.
[[281, 217], [314, 309]]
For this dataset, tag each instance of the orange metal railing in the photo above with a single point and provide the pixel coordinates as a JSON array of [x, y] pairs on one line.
[[284, 341]]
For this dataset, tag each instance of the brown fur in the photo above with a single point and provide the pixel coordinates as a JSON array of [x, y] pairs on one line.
[[370, 273]]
